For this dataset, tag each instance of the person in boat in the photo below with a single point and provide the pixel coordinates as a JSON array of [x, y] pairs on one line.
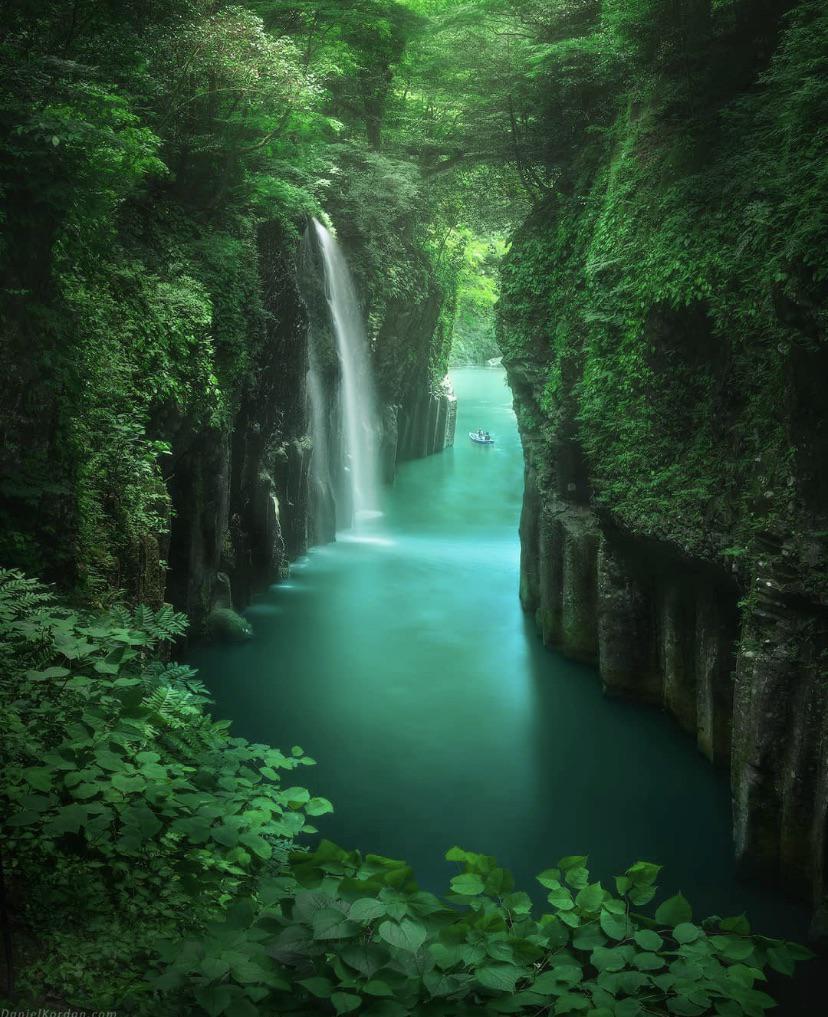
[[487, 436]]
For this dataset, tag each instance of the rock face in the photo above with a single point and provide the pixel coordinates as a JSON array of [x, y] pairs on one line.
[[240, 493], [736, 655], [421, 410], [250, 495], [417, 413], [664, 329], [661, 628]]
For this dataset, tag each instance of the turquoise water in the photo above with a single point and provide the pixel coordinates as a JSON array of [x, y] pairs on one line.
[[399, 658]]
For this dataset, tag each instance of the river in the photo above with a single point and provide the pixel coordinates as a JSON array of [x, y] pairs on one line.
[[399, 658]]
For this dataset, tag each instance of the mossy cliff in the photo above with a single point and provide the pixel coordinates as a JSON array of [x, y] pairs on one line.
[[214, 500], [153, 338], [409, 299], [663, 325], [409, 332]]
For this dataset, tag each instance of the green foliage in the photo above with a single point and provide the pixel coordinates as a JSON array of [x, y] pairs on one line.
[[163, 876], [126, 808], [473, 338], [142, 149], [668, 288]]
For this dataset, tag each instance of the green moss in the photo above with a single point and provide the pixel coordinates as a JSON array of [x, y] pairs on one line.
[[226, 625], [666, 296]]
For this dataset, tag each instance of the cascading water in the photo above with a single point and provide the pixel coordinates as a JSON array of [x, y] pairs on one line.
[[359, 417], [322, 500]]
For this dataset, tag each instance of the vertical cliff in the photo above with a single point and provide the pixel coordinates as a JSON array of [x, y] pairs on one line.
[[239, 490], [409, 338], [663, 326]]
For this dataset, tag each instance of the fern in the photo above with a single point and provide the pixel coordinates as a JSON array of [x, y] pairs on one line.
[[162, 626], [120, 616], [179, 717], [21, 596], [159, 675]]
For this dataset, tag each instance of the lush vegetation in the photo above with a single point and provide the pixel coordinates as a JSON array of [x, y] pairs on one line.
[[144, 148], [473, 339], [159, 870], [673, 267], [664, 297]]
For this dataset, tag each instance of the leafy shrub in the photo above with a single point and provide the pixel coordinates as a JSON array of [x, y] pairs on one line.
[[123, 801], [338, 932], [157, 862]]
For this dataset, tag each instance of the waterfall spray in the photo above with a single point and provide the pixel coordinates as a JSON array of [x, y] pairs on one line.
[[359, 416]]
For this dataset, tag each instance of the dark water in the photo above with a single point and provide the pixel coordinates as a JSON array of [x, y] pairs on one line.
[[399, 658]]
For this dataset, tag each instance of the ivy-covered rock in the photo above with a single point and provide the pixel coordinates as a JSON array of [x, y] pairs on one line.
[[226, 625]]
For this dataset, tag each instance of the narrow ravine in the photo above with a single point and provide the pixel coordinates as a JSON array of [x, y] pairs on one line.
[[399, 658]]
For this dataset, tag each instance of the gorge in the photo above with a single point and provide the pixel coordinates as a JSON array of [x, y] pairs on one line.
[[241, 246]]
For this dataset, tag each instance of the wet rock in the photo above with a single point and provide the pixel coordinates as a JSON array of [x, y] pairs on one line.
[[225, 625]]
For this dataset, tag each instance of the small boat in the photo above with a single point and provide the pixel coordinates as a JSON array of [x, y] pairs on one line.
[[480, 439]]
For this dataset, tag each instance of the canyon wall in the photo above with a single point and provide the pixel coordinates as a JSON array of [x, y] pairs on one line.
[[246, 498], [736, 653], [663, 325], [239, 493], [416, 407]]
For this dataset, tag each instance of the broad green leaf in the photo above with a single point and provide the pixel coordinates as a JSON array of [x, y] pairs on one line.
[[86, 790], [214, 968], [468, 883], [561, 899], [552, 982], [128, 782], [588, 936], [734, 948], [225, 835], [214, 998], [366, 958], [258, 845], [683, 1007], [577, 877], [518, 903], [572, 862], [649, 940], [570, 1003], [366, 909], [674, 911], [376, 987], [329, 923], [318, 986], [408, 935], [550, 878], [648, 961], [345, 1002], [240, 1006], [686, 932], [615, 926], [144, 819], [109, 760], [26, 817], [589, 899], [498, 977], [318, 807], [49, 672], [608, 959], [38, 777]]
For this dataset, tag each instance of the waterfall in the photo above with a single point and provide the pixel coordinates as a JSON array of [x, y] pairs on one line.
[[322, 499], [359, 417]]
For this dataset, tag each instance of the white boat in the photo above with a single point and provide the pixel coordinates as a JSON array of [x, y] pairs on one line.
[[479, 439]]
